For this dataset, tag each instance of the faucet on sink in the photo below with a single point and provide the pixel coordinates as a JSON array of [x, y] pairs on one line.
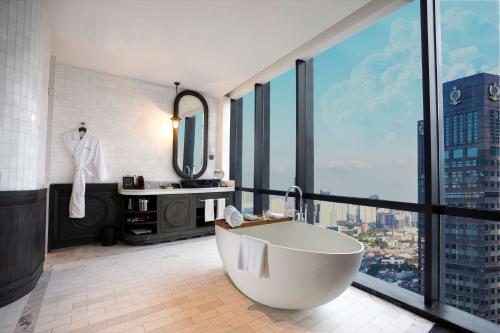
[[299, 215]]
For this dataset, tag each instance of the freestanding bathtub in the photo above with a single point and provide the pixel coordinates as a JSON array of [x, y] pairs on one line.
[[308, 265]]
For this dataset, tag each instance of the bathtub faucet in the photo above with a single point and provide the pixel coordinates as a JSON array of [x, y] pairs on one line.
[[300, 214]]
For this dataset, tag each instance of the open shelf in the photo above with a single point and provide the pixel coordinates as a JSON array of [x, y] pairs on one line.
[[140, 223], [127, 228], [150, 217], [131, 203]]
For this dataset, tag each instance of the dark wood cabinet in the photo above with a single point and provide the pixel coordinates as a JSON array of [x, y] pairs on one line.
[[168, 216], [172, 217], [176, 212], [101, 208]]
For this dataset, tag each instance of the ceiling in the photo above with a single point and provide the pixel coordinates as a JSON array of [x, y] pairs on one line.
[[208, 45]]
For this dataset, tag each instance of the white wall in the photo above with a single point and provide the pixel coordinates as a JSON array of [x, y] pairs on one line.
[[131, 117], [24, 67]]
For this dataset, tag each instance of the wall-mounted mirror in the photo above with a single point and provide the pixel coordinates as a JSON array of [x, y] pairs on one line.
[[190, 137]]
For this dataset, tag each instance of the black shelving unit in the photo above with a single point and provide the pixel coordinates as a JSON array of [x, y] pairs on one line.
[[130, 210]]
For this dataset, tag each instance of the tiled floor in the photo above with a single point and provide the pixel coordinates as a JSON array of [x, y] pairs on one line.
[[176, 287]]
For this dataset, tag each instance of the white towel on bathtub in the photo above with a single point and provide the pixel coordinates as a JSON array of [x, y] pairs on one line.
[[252, 256]]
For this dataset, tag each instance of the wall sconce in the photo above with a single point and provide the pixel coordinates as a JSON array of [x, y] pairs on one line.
[[175, 122]]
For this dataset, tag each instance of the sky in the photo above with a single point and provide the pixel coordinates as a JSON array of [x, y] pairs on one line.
[[368, 96], [368, 99]]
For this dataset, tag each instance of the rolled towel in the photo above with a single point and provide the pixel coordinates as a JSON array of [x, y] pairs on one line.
[[232, 216]]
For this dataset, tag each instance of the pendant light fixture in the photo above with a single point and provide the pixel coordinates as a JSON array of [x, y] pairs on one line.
[[175, 119]]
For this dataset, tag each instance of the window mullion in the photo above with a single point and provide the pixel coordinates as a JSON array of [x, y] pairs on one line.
[[304, 157], [431, 92]]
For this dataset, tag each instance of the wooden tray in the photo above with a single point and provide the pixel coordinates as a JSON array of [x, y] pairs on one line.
[[246, 224]]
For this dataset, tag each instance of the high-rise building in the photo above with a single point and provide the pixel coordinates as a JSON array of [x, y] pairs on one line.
[[471, 174], [385, 218]]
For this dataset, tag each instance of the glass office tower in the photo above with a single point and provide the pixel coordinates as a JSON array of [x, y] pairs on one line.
[[471, 173]]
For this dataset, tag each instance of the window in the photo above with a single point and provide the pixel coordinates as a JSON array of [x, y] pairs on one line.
[[278, 205], [369, 144], [247, 203], [470, 67], [367, 102], [282, 131], [390, 238], [458, 153], [472, 152], [248, 140], [247, 147]]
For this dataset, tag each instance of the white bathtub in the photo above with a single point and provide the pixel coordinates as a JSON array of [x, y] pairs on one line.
[[308, 265]]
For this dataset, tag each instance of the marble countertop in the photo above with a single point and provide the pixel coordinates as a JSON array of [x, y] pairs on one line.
[[175, 191]]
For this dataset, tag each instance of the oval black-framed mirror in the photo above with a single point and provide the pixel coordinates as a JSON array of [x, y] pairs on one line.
[[190, 142]]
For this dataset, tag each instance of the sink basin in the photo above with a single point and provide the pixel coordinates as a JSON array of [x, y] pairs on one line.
[[196, 183]]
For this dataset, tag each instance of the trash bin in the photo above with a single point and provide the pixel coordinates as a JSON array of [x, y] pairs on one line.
[[108, 236]]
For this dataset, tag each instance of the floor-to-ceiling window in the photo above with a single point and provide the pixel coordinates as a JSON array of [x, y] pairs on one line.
[[282, 148], [470, 71], [367, 104], [282, 131], [405, 146], [247, 148], [367, 101]]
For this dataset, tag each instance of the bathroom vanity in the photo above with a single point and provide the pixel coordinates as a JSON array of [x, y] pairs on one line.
[[171, 214]]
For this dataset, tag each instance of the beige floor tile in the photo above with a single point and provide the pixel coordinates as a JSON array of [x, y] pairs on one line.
[[181, 287]]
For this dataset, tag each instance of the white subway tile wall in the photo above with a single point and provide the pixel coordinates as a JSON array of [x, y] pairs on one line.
[[131, 117], [24, 66]]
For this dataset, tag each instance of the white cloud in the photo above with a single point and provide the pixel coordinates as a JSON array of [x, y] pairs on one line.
[[459, 62], [347, 165], [371, 118], [390, 136], [456, 18], [469, 40], [382, 81], [280, 170], [463, 54]]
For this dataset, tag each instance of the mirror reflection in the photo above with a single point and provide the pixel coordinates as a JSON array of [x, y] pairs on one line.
[[190, 135]]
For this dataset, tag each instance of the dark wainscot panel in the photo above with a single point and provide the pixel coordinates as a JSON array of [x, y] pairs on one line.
[[101, 209], [22, 242]]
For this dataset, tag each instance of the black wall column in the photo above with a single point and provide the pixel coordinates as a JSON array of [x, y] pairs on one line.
[[266, 146], [261, 147], [304, 164], [22, 242]]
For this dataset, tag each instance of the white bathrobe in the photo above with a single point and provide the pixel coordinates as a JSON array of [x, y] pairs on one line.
[[85, 151]]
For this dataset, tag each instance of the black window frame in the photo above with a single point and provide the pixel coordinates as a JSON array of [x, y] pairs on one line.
[[430, 305]]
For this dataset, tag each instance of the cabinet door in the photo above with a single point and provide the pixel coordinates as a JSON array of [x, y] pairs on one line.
[[175, 213]]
